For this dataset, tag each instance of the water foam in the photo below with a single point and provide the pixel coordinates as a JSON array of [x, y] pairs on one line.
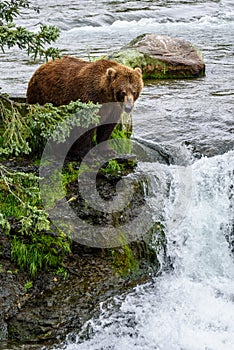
[[158, 24]]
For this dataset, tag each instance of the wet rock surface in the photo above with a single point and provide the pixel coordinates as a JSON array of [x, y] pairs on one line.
[[162, 57], [59, 302], [57, 305], [63, 305]]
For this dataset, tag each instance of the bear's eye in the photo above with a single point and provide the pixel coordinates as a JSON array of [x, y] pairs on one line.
[[120, 96], [135, 94]]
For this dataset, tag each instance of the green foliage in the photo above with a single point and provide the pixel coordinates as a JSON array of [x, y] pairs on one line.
[[16, 188], [12, 35], [112, 167], [42, 251], [71, 172], [121, 135], [4, 224], [62, 273], [121, 141], [28, 285], [25, 129], [35, 244], [10, 9]]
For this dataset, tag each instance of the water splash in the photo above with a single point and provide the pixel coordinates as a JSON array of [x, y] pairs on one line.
[[202, 245]]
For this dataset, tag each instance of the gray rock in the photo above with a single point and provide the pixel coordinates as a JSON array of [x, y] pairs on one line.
[[162, 57]]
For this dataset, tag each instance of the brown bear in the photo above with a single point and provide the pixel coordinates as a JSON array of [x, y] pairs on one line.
[[61, 81]]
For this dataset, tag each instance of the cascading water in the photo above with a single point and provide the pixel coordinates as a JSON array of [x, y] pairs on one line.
[[192, 306]]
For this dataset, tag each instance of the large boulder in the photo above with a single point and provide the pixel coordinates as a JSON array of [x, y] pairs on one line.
[[162, 57]]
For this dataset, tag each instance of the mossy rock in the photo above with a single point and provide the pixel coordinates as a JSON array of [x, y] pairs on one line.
[[57, 306], [162, 57]]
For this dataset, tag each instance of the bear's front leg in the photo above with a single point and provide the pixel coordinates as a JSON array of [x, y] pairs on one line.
[[82, 144], [110, 116]]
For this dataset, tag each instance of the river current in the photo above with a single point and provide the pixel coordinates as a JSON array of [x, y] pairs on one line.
[[192, 306]]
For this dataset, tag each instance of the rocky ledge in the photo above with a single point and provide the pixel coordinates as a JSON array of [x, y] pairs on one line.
[[42, 310]]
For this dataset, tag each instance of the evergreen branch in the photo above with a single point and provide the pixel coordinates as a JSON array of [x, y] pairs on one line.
[[32, 43], [4, 170], [10, 9]]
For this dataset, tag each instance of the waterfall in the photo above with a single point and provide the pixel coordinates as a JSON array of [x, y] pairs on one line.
[[199, 242], [191, 307]]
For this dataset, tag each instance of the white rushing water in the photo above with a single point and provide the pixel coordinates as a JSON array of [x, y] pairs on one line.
[[191, 308]]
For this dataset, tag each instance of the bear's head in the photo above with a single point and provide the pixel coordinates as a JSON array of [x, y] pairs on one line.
[[125, 85]]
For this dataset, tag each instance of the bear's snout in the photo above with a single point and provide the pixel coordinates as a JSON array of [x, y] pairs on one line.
[[128, 103], [128, 106]]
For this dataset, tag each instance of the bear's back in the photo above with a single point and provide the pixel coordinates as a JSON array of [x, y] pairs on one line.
[[61, 81], [50, 81]]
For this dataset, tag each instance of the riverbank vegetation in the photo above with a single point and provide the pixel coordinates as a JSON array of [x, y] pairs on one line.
[[24, 130], [35, 242]]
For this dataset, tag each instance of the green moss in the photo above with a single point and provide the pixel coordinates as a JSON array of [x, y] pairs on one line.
[[123, 144], [123, 260], [112, 167], [130, 57], [152, 68], [144, 253], [71, 172], [134, 58]]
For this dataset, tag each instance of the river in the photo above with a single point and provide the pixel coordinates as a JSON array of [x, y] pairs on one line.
[[192, 306]]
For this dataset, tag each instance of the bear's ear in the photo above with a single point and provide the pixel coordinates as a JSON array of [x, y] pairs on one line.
[[138, 70], [111, 73]]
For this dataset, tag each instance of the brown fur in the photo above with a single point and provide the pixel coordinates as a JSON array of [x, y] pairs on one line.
[[63, 80], [69, 79]]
